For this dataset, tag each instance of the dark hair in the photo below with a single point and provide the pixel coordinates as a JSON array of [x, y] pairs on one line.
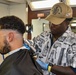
[[12, 22]]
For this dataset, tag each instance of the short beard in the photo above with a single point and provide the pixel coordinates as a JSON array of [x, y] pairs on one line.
[[6, 48]]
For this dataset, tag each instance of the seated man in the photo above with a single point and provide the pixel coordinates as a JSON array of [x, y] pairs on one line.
[[19, 60]]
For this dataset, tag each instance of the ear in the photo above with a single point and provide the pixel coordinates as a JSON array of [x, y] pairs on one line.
[[10, 37]]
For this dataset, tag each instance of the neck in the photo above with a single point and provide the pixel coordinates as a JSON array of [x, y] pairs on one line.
[[16, 44], [56, 37]]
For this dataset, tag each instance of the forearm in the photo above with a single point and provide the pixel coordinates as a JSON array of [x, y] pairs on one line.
[[59, 70]]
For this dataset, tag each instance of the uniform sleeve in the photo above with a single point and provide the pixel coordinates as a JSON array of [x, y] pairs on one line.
[[72, 56]]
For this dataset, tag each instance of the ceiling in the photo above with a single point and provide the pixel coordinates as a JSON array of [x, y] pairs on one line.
[[17, 1], [30, 2]]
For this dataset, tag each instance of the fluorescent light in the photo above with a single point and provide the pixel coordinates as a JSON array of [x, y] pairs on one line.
[[74, 21], [46, 4], [73, 24], [72, 2]]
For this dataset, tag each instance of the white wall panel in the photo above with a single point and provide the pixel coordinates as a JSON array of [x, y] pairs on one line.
[[4, 10], [20, 11]]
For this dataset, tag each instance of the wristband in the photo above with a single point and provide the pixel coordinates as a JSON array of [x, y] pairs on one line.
[[49, 68]]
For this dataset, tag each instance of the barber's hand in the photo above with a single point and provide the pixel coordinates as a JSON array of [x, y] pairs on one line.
[[43, 65]]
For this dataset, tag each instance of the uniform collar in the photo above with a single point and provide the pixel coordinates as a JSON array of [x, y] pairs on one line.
[[67, 32]]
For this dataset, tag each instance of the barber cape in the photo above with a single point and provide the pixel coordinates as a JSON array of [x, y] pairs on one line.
[[20, 63], [62, 52]]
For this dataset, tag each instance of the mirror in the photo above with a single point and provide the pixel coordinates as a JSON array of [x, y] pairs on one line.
[[39, 25], [46, 27]]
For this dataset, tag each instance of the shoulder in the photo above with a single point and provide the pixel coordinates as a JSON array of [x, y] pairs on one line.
[[44, 35]]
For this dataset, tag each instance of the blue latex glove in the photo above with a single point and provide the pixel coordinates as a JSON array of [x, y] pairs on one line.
[[43, 65], [26, 46]]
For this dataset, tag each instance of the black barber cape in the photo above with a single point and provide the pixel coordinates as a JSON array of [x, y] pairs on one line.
[[20, 63]]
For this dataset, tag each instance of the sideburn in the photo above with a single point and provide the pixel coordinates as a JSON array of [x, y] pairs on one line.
[[6, 48]]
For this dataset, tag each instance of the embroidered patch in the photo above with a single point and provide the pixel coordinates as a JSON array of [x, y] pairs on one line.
[[56, 10]]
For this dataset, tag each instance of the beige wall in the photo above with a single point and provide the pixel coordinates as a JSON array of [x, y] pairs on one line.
[[17, 10]]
